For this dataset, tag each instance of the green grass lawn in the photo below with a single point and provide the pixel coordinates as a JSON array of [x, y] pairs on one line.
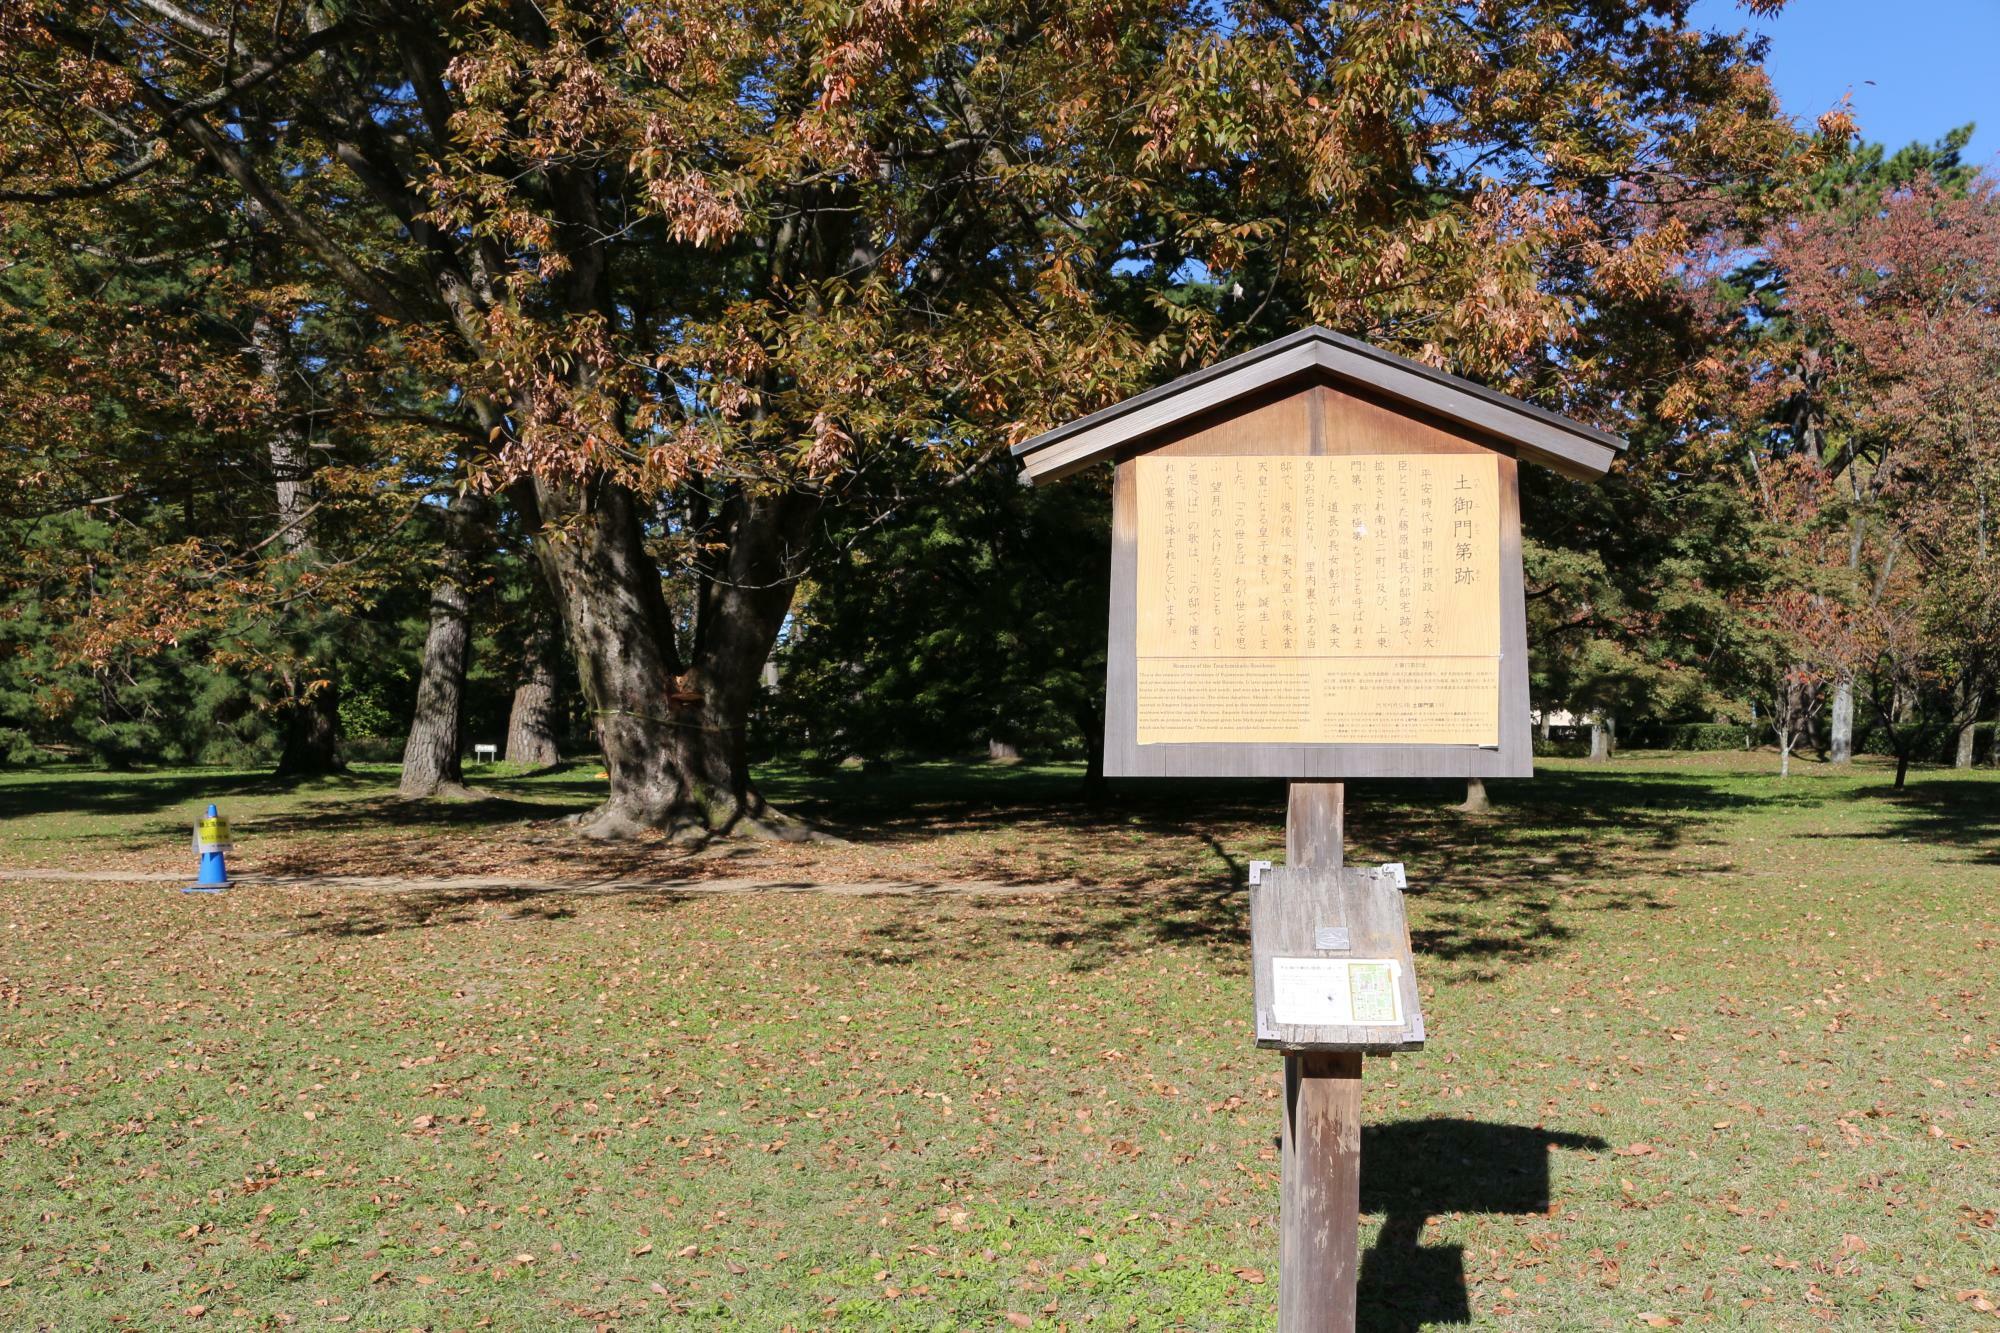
[[1707, 1048]]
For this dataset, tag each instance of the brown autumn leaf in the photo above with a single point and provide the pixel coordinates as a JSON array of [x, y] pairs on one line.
[[1254, 1276], [1019, 1320]]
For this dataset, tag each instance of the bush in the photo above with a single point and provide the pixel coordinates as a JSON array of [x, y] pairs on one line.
[[1699, 736]]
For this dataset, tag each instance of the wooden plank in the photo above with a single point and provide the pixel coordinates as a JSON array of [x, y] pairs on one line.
[[1319, 1210], [1071, 455], [1316, 825], [1327, 912], [1319, 1142], [1557, 447]]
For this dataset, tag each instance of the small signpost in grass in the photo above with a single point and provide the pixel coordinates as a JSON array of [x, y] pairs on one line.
[[1316, 576]]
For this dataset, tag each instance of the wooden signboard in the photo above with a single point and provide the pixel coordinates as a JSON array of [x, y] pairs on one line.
[[1316, 575], [1317, 587], [1316, 566]]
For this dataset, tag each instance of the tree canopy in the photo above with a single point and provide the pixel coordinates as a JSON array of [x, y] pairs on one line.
[[697, 306]]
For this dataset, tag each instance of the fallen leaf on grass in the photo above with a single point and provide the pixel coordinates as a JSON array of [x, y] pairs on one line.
[[1020, 1320], [1633, 1150], [1254, 1276], [1651, 1320], [638, 1250]]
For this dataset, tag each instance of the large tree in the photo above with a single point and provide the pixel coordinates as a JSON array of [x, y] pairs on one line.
[[1796, 373], [694, 272]]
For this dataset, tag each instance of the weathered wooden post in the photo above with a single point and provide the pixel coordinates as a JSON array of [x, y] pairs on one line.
[[1316, 576]]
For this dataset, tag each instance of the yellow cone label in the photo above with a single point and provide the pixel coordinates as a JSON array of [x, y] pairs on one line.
[[212, 834]]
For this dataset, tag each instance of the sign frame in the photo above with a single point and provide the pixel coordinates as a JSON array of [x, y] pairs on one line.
[[1313, 418]]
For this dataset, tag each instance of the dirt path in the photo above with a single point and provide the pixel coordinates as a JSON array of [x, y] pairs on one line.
[[508, 884]]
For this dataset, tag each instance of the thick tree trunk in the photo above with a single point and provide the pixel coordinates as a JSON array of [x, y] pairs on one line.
[[311, 720], [1967, 736], [433, 756], [1602, 732], [534, 720], [672, 731], [309, 709], [1476, 802], [531, 722], [433, 763], [1902, 768], [1784, 754], [1840, 749]]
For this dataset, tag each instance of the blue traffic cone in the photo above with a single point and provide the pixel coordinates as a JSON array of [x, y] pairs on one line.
[[211, 840]]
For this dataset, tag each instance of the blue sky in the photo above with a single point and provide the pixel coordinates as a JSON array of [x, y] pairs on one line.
[[1915, 67]]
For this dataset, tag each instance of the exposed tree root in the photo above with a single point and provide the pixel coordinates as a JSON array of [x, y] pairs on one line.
[[447, 791], [694, 822]]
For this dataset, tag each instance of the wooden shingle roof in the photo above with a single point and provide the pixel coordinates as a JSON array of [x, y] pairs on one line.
[[1320, 355]]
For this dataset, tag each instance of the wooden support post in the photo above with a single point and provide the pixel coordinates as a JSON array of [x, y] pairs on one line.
[[1320, 1147], [1316, 826]]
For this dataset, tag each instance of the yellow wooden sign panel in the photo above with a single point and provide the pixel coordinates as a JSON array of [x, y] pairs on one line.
[[1350, 599]]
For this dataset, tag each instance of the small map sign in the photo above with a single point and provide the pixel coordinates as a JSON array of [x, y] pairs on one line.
[[1345, 992]]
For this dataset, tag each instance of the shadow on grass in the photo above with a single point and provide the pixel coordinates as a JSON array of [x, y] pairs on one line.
[[1168, 857], [1414, 1170], [1486, 892], [71, 791], [363, 916], [1957, 810]]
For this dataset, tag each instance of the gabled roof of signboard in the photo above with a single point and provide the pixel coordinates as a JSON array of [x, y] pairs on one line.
[[1541, 436]]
